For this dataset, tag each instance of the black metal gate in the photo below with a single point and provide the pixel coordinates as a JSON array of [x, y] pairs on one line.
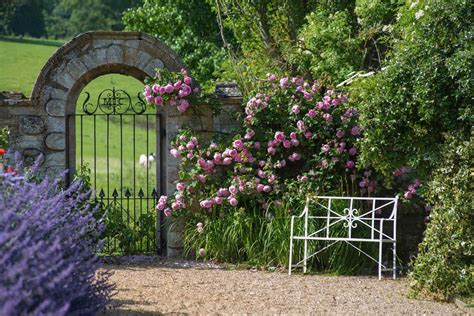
[[115, 143]]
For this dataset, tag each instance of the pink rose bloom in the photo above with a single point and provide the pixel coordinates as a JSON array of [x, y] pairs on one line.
[[162, 90], [283, 163], [177, 85], [217, 157], [202, 252], [308, 135], [312, 113], [399, 172], [187, 80], [284, 82], [327, 117], [201, 178], [353, 151], [147, 90], [182, 138], [271, 150], [279, 136], [324, 163], [180, 186], [342, 145], [304, 178], [350, 164], [223, 192], [271, 77], [167, 212], [301, 126], [213, 146], [257, 145], [233, 153], [417, 183], [175, 153], [238, 144], [169, 88], [286, 144], [162, 203], [271, 178], [295, 142], [363, 183], [155, 88], [340, 133], [408, 195], [183, 105], [190, 155], [260, 187], [227, 161], [267, 188], [293, 135], [260, 173], [295, 109], [233, 201], [261, 163], [355, 130], [250, 133], [233, 190], [206, 204], [218, 200], [176, 205], [190, 146], [150, 99], [325, 148]]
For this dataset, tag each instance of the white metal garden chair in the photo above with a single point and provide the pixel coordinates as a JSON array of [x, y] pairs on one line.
[[376, 216]]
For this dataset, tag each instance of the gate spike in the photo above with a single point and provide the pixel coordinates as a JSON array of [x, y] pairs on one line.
[[101, 193], [115, 194], [140, 193], [154, 194], [127, 193]]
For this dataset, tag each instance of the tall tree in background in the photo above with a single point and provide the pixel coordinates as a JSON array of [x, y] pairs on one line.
[[69, 18], [190, 28], [22, 17]]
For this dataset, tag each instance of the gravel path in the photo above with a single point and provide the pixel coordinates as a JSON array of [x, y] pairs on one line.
[[191, 288]]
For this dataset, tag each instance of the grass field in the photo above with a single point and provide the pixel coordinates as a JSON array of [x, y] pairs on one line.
[[21, 61]]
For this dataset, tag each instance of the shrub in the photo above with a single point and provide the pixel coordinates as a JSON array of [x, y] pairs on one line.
[[424, 91], [444, 265], [295, 139], [48, 246]]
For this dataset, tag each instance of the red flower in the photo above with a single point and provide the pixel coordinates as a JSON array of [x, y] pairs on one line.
[[2, 151]]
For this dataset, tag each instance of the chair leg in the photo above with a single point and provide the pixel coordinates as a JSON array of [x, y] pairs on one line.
[[394, 261], [380, 260], [291, 255]]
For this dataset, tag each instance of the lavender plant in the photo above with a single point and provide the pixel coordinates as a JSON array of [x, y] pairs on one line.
[[48, 244]]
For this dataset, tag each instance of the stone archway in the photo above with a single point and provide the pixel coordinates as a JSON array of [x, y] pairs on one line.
[[80, 61]]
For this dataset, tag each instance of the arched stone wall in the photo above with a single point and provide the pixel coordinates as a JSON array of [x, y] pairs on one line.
[[80, 61]]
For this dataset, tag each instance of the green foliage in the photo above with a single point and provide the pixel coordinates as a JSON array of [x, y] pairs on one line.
[[444, 266], [425, 90], [22, 17], [69, 18], [4, 138], [189, 28]]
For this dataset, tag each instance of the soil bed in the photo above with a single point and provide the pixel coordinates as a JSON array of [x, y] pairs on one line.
[[150, 287]]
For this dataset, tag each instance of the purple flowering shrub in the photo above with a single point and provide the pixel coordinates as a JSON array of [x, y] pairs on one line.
[[48, 244]]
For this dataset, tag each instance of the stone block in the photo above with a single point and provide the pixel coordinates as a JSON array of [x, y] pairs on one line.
[[142, 59], [55, 159], [29, 142], [76, 68], [31, 125], [100, 55], [115, 54], [130, 56], [59, 94], [56, 141], [56, 107], [152, 65], [56, 124], [66, 80]]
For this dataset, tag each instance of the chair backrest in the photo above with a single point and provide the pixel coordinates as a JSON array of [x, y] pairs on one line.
[[351, 218]]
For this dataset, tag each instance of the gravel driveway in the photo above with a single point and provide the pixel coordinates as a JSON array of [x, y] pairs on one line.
[[191, 288]]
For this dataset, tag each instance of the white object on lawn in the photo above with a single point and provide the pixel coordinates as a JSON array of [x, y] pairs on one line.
[[382, 212], [146, 162]]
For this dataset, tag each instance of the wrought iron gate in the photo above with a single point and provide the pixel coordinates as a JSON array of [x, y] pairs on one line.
[[116, 141]]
